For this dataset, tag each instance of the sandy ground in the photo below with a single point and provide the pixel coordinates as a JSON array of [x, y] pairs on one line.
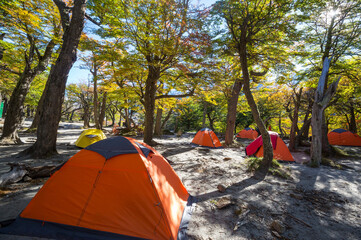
[[316, 203]]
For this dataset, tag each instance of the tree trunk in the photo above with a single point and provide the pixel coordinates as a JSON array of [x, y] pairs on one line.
[[232, 111], [158, 123], [95, 92], [17, 99], [166, 119], [204, 115], [16, 107], [267, 146], [352, 126], [86, 116], [321, 101], [326, 146], [102, 111], [297, 102], [149, 102], [211, 121], [45, 144], [282, 133]]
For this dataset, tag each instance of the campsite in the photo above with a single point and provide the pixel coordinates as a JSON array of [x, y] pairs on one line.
[[180, 119]]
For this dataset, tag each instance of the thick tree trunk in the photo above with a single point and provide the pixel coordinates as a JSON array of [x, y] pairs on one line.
[[321, 101], [158, 122], [45, 144], [232, 112], [297, 102], [102, 110], [35, 123], [149, 102]]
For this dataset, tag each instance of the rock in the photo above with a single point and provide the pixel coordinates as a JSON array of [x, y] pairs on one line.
[[277, 226], [224, 202], [27, 178], [221, 188], [297, 196], [227, 158], [200, 149], [276, 234]]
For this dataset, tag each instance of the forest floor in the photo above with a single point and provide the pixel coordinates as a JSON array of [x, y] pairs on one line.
[[314, 203]]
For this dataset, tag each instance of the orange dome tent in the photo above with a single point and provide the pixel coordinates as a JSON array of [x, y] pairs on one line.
[[206, 138], [247, 133], [344, 138], [116, 188], [280, 150]]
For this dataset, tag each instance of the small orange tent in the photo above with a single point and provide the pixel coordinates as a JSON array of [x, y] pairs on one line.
[[344, 138], [116, 188], [280, 150], [206, 138], [247, 133]]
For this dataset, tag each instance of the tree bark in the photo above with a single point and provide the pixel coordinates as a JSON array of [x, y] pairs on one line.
[[321, 101], [45, 144], [204, 115], [102, 110], [166, 119], [95, 92], [352, 126], [232, 111], [149, 102], [297, 103], [86, 116], [158, 122]]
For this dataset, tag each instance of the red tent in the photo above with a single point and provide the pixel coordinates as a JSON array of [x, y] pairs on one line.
[[280, 150]]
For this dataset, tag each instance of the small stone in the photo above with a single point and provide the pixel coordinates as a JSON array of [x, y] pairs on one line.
[[227, 158], [223, 202], [297, 196], [221, 188], [277, 226], [27, 179], [276, 234]]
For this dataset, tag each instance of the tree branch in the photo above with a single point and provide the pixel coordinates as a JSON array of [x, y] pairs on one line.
[[191, 93], [4, 67]]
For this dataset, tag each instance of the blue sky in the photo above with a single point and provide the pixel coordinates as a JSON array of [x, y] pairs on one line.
[[82, 75]]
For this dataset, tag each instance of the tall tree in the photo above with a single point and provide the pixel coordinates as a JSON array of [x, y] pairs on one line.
[[257, 31], [156, 30], [332, 29], [24, 22], [322, 99], [72, 24]]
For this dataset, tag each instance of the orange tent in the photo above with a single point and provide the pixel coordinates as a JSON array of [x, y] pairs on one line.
[[116, 188], [247, 133], [280, 150], [343, 137], [206, 138]]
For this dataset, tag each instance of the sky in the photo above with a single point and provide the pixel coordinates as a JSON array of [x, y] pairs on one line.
[[77, 75]]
